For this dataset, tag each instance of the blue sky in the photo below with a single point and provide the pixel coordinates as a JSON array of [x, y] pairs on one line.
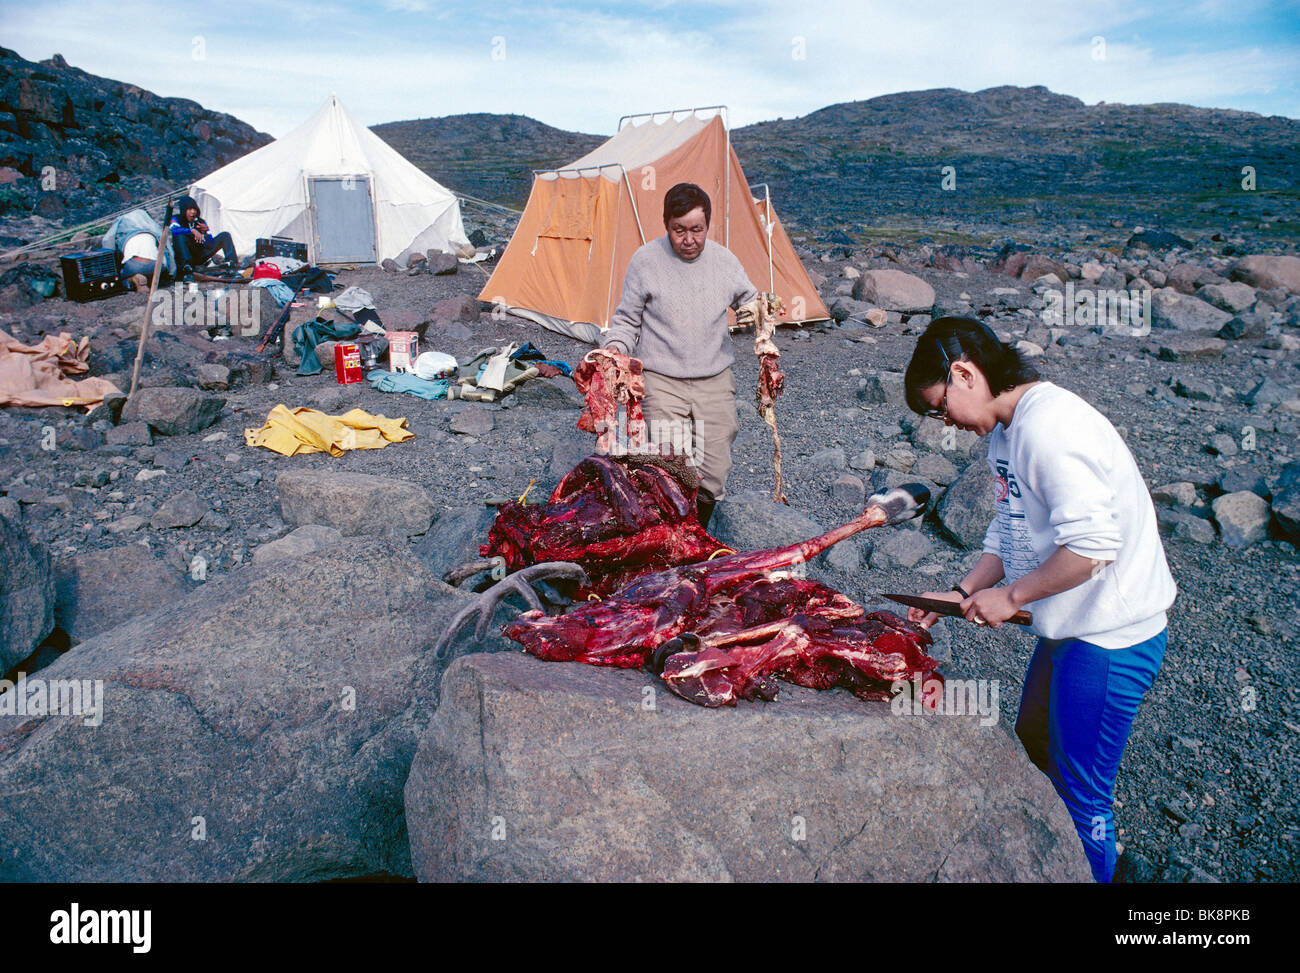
[[580, 65]]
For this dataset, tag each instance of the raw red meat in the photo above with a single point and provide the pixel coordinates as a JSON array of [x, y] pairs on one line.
[[617, 518], [771, 381], [609, 379], [747, 622]]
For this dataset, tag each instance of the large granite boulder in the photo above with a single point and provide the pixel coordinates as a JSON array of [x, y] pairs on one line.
[[455, 538], [173, 411], [26, 592], [541, 771], [894, 290], [1182, 312], [259, 729], [354, 503], [1269, 270], [99, 590]]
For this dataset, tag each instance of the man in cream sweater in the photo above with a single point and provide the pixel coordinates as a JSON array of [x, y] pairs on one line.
[[673, 316]]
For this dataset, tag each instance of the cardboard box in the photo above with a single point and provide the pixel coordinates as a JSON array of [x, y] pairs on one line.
[[403, 349]]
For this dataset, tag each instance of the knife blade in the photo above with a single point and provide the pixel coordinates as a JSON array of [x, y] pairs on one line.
[[950, 608]]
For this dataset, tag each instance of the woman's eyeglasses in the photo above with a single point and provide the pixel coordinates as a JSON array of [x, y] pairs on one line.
[[942, 411]]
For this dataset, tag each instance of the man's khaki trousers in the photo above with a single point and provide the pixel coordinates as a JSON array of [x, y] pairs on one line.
[[701, 411]]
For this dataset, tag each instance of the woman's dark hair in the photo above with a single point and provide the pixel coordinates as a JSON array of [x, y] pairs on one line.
[[947, 340], [683, 198]]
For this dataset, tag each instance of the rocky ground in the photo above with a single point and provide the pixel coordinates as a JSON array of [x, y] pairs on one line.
[[1204, 792]]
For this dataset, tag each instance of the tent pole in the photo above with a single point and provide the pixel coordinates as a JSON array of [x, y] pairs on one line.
[[771, 280], [609, 286], [726, 168], [632, 197]]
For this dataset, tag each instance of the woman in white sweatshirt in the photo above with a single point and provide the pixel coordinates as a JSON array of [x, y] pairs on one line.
[[1075, 538]]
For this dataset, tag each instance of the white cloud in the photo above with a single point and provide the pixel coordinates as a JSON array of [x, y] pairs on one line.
[[581, 68]]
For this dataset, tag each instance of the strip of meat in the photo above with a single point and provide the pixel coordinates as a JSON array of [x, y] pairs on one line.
[[609, 379], [865, 657], [771, 381]]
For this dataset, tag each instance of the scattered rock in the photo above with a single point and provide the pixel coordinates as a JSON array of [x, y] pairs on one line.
[[830, 458], [129, 434], [1187, 347], [1286, 503], [1228, 297], [885, 387], [124, 525], [213, 377], [864, 460], [184, 509], [1182, 312], [901, 548], [1180, 494], [899, 458], [967, 508], [473, 422], [1268, 392], [1196, 389], [1221, 444], [462, 307], [442, 264], [1268, 271], [1157, 240], [549, 393], [455, 537], [848, 490], [934, 467], [173, 411], [1242, 517]]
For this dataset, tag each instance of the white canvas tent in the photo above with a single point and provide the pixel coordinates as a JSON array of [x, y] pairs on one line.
[[338, 187]]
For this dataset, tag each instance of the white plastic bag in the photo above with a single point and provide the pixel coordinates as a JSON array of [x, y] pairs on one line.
[[434, 365]]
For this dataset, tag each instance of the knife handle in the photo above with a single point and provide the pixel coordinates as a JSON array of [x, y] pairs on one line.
[[1022, 618]]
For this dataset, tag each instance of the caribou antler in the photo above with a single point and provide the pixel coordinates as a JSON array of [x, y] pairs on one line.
[[485, 604]]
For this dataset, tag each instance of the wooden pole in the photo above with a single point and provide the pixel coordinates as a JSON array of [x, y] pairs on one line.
[[163, 240]]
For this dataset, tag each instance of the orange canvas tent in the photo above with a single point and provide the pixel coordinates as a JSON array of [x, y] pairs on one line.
[[564, 265]]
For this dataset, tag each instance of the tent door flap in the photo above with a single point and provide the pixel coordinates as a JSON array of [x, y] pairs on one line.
[[344, 216]]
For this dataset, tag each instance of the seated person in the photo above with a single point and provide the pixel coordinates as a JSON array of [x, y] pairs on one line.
[[195, 246]]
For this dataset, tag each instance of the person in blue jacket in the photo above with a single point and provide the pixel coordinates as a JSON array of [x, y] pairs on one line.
[[195, 246]]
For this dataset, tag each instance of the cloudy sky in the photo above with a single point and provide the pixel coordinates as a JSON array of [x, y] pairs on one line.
[[580, 65]]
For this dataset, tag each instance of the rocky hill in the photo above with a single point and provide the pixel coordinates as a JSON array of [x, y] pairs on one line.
[[74, 145], [488, 156], [1026, 162]]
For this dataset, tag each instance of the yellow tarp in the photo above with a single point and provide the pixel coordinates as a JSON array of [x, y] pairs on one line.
[[308, 431]]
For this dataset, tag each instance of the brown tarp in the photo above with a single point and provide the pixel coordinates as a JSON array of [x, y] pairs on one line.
[[39, 374]]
